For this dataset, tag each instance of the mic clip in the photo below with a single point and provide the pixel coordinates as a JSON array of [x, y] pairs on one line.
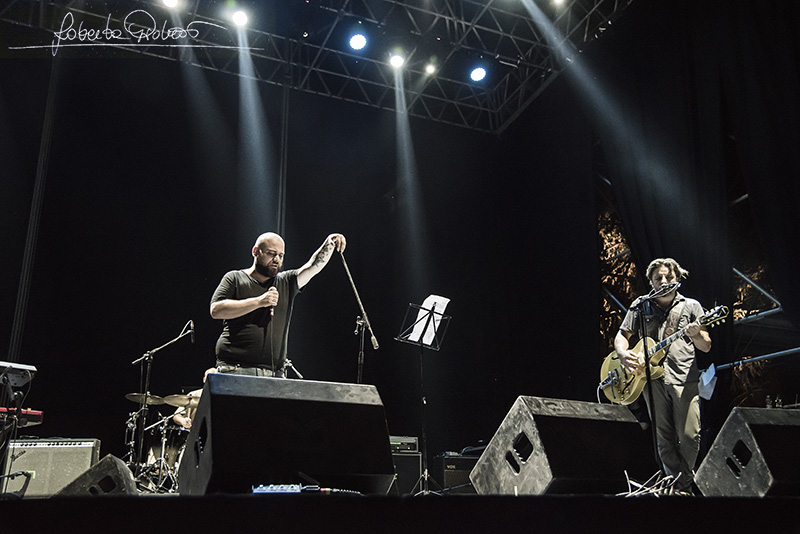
[[664, 290]]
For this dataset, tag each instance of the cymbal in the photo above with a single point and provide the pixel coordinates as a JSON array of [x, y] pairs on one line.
[[139, 398], [182, 401]]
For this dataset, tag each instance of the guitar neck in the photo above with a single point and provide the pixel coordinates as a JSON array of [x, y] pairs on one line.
[[666, 342], [711, 318]]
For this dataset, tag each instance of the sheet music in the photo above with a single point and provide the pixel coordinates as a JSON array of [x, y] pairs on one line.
[[440, 304], [708, 380]]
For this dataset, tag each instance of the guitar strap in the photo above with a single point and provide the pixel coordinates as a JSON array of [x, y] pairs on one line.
[[671, 320]]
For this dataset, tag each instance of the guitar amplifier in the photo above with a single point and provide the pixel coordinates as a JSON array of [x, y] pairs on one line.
[[48, 464], [408, 470], [405, 444], [453, 470]]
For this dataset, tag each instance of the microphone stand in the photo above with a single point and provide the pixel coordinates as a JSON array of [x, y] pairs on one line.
[[362, 322], [147, 359], [360, 331], [648, 377]]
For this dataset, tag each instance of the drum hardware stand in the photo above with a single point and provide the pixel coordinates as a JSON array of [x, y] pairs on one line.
[[362, 323], [147, 361], [431, 336], [130, 437], [161, 468]]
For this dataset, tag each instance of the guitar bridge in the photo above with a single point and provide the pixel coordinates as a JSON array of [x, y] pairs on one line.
[[611, 379]]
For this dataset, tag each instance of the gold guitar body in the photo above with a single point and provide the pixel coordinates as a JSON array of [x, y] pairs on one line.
[[624, 387]]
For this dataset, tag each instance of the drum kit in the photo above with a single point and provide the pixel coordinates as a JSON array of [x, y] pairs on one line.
[[155, 448]]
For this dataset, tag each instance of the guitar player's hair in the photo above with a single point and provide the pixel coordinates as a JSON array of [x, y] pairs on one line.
[[674, 267]]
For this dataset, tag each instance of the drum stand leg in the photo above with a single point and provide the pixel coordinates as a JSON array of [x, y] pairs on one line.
[[157, 475]]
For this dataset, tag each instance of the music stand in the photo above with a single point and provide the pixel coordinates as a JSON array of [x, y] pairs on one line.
[[427, 330]]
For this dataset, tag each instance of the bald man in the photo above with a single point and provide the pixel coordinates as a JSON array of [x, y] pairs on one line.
[[255, 305]]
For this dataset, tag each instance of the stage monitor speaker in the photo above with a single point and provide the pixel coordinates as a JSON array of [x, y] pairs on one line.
[[563, 446], [109, 476], [753, 455], [48, 464], [252, 431]]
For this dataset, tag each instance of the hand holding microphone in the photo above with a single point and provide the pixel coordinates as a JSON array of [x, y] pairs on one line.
[[270, 292]]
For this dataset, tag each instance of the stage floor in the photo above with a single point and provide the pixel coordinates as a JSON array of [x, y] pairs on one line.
[[447, 514]]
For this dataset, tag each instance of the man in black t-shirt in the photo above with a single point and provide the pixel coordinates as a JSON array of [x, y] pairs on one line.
[[255, 305]]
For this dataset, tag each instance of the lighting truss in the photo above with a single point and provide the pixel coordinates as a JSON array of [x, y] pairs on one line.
[[302, 44]]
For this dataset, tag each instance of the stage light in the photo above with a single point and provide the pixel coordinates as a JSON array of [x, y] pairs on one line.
[[239, 18], [358, 41], [477, 74], [170, 3], [396, 61], [430, 69]]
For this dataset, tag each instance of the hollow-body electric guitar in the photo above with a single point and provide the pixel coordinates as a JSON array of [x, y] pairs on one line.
[[623, 387]]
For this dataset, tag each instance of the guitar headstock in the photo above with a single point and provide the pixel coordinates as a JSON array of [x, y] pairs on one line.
[[714, 316]]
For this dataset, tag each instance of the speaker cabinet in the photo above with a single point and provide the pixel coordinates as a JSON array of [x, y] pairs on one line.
[[753, 455], [562, 446], [408, 468], [250, 431], [50, 464], [453, 471], [109, 476]]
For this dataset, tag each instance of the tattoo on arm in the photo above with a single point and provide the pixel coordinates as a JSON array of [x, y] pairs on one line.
[[322, 256]]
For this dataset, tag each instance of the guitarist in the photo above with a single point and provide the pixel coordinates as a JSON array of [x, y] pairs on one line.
[[675, 395]]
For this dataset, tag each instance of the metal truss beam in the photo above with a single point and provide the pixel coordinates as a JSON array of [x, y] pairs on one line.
[[302, 44]]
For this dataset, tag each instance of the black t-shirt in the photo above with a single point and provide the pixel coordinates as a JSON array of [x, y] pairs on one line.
[[256, 338]]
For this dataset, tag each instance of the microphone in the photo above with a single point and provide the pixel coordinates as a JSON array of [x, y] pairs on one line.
[[272, 308], [666, 288], [191, 330]]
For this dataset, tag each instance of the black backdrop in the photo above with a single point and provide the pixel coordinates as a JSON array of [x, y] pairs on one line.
[[143, 213], [137, 229], [724, 70]]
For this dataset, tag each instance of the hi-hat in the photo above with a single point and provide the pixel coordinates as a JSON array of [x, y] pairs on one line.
[[182, 401], [140, 397]]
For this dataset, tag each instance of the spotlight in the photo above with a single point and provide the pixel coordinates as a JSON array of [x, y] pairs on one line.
[[358, 41], [430, 69], [396, 61], [170, 3], [239, 18], [478, 74]]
